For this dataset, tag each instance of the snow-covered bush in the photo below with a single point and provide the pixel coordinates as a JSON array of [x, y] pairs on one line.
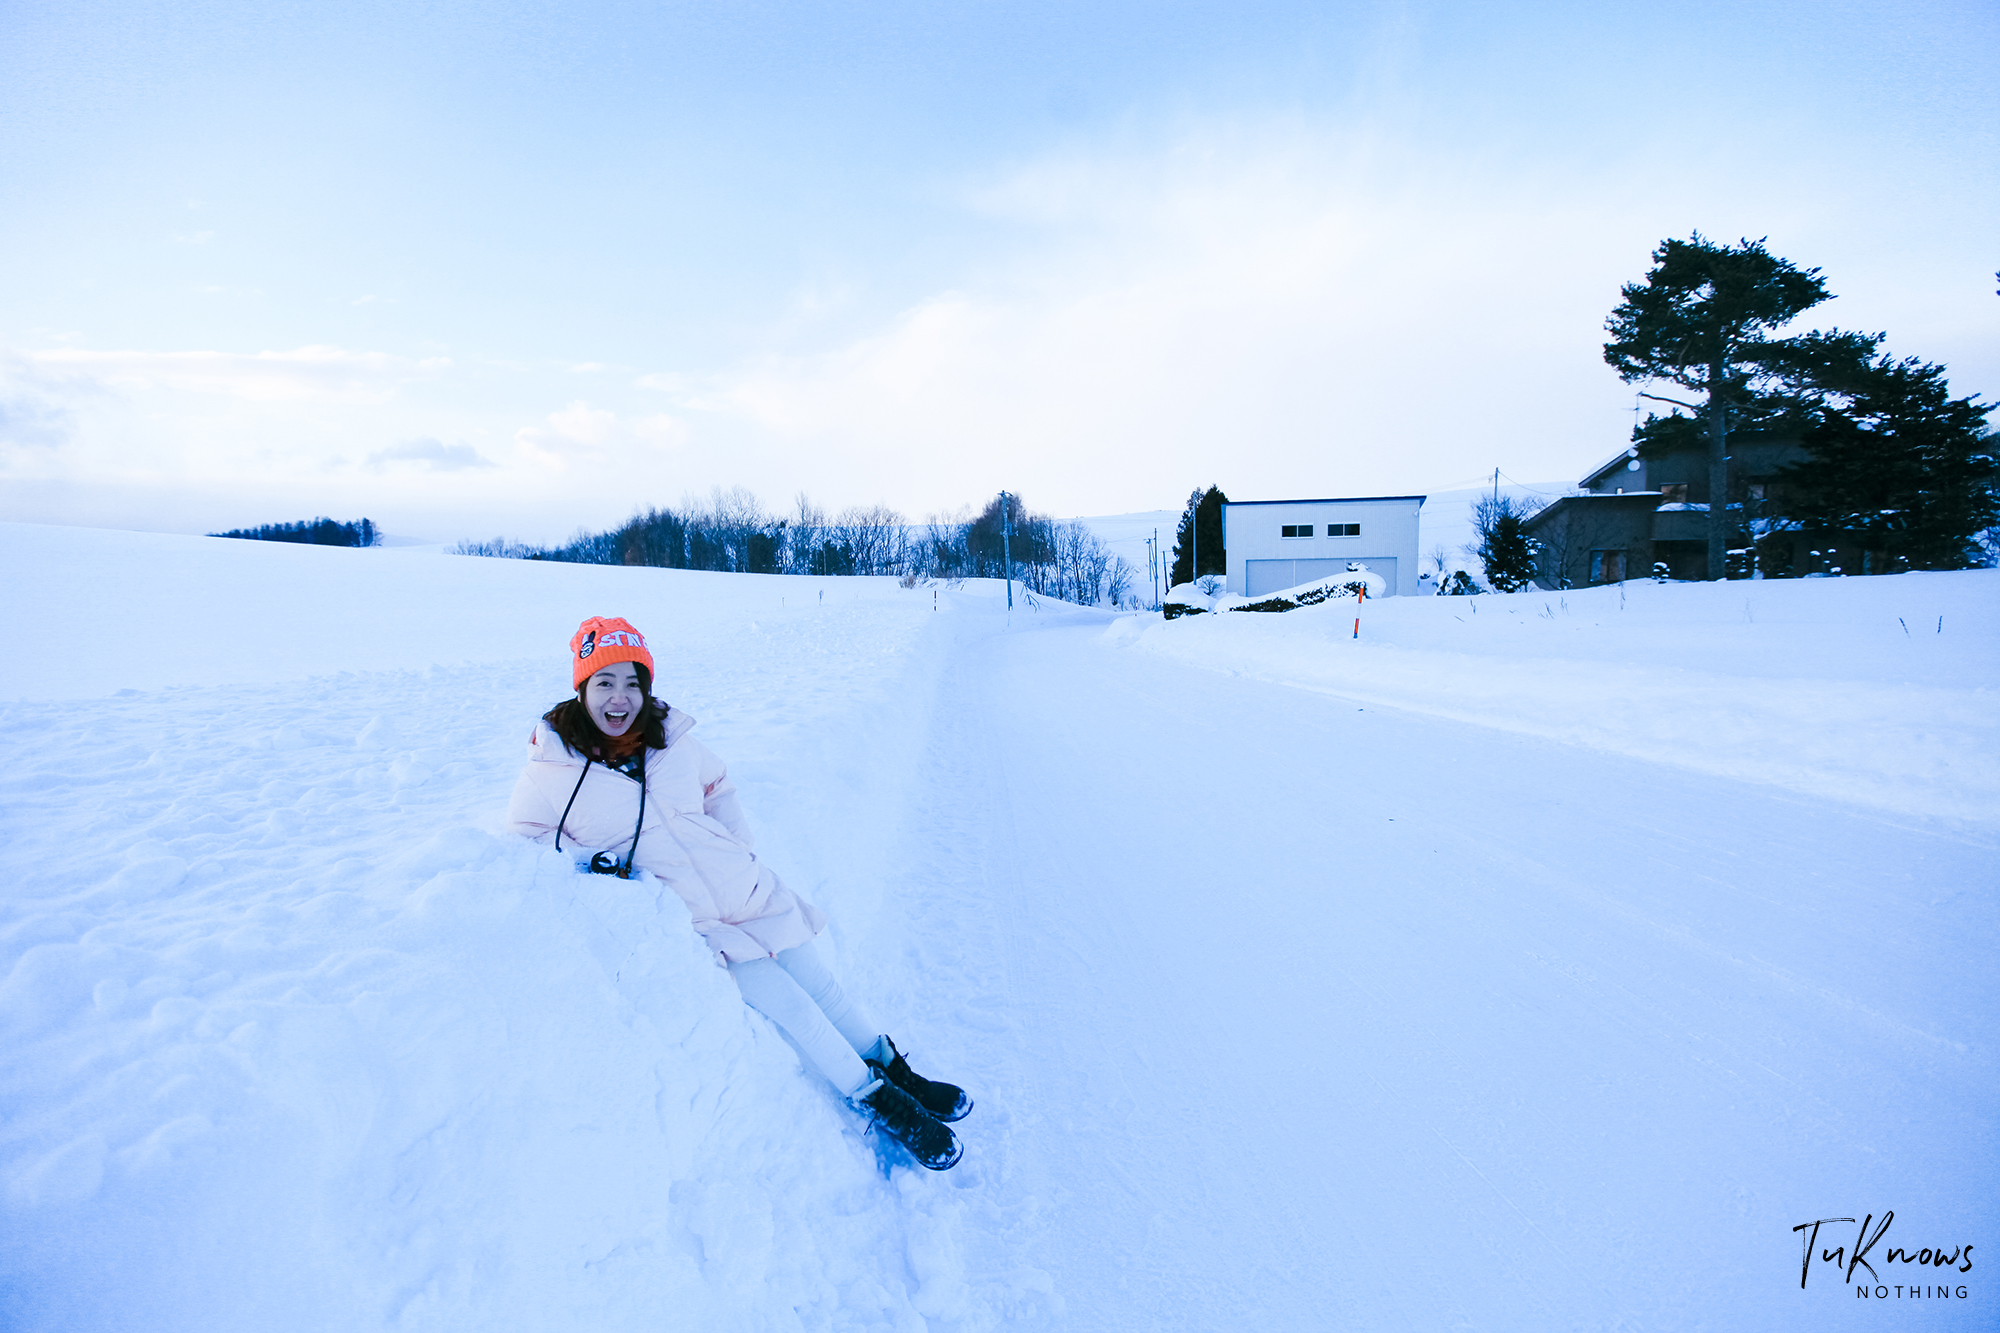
[[1186, 599], [1339, 587], [1361, 579]]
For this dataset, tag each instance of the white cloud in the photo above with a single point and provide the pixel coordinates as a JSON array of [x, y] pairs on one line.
[[31, 421], [33, 415], [582, 433], [580, 423], [306, 374], [433, 454], [1275, 309]]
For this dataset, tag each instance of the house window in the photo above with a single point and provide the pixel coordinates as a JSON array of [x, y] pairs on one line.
[[1296, 530], [1674, 493], [1607, 566], [1343, 529]]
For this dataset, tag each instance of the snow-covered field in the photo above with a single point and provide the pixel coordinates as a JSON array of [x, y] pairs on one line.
[[1681, 934], [1875, 691]]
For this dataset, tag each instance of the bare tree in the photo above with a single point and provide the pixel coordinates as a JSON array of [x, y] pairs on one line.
[[945, 555], [730, 531], [1118, 586], [874, 538]]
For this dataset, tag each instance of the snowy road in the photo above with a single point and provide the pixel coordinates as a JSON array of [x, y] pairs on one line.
[[1283, 1009], [1342, 1017]]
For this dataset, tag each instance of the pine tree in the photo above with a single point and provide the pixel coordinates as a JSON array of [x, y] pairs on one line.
[[1900, 464], [1204, 508], [1702, 320], [1505, 550]]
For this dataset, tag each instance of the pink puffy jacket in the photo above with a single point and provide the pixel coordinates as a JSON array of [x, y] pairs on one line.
[[695, 838]]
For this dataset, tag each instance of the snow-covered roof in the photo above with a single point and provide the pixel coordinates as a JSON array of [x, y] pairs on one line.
[[1330, 500], [1617, 460]]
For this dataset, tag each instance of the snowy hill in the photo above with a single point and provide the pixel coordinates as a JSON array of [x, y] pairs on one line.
[[1526, 963]]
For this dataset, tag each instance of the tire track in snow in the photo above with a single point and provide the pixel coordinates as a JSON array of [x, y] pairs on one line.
[[1560, 1039]]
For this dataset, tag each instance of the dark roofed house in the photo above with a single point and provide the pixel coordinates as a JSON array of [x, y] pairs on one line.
[[1637, 512]]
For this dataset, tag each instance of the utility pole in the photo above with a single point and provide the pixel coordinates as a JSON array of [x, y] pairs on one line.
[[1006, 546]]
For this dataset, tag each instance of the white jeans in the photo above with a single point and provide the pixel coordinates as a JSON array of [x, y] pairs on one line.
[[795, 991]]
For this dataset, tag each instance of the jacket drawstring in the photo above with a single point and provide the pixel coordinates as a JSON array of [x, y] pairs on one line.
[[587, 761], [624, 870]]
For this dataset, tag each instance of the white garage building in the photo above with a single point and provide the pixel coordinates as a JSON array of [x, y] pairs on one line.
[[1274, 544]]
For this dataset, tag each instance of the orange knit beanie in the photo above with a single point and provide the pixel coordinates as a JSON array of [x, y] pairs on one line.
[[599, 642]]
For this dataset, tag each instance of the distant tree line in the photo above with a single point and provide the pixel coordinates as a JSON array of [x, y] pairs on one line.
[[732, 533], [311, 532]]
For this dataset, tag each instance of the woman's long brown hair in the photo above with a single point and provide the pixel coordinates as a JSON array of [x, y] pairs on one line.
[[571, 721]]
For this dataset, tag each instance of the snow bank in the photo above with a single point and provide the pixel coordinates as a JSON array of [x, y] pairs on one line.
[[299, 1037], [1882, 691]]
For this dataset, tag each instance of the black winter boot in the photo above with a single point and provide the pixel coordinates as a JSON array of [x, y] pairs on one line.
[[943, 1100], [903, 1120]]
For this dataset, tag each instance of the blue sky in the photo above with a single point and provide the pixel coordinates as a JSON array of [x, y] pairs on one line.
[[517, 269]]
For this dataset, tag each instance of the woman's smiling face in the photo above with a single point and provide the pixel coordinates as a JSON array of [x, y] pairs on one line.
[[614, 698]]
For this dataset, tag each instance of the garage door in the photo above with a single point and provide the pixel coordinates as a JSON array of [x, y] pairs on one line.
[[1268, 576]]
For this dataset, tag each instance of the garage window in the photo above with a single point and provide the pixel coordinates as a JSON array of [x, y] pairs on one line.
[[1296, 530], [1343, 529]]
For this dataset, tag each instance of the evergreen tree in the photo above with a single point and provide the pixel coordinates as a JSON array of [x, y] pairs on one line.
[[1007, 531], [761, 556], [1702, 320], [1899, 463], [1506, 552], [1201, 518]]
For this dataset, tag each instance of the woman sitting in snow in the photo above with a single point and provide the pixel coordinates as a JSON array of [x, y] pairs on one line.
[[613, 775]]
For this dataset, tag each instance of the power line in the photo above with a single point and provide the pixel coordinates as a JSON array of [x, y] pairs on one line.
[[1530, 489]]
